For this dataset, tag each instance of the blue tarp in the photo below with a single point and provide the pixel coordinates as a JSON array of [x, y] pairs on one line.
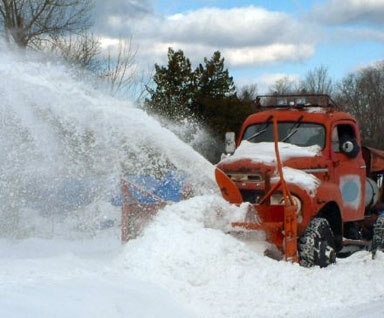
[[169, 188]]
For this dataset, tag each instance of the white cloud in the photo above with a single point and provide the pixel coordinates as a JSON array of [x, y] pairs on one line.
[[268, 54], [350, 11], [234, 27], [247, 36], [234, 57], [353, 35], [114, 17]]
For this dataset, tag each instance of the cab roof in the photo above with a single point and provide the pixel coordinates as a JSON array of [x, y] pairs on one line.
[[295, 100], [318, 108]]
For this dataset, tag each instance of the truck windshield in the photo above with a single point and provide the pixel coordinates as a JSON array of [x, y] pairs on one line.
[[297, 133]]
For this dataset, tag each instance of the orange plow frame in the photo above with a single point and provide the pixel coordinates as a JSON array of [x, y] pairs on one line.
[[136, 215], [278, 221]]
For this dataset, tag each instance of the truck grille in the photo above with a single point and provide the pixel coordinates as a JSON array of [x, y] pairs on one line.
[[251, 196], [242, 177]]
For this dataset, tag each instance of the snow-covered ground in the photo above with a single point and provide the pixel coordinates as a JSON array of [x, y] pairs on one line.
[[59, 262], [179, 267]]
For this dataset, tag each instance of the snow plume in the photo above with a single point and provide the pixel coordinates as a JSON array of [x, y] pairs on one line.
[[65, 145], [193, 133]]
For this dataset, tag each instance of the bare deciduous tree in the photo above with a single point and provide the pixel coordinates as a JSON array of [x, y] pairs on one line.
[[318, 81], [82, 50], [248, 93], [285, 85], [362, 94], [60, 27], [119, 68], [27, 22]]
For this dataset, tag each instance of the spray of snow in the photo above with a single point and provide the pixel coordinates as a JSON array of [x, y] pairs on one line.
[[61, 140]]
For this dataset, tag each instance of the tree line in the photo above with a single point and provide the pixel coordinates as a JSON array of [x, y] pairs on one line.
[[177, 92], [208, 94]]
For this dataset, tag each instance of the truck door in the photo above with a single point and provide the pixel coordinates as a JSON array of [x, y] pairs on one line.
[[349, 169]]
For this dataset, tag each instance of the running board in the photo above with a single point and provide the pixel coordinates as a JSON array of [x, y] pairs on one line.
[[353, 246]]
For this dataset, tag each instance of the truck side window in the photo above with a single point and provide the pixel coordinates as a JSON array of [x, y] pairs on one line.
[[344, 140]]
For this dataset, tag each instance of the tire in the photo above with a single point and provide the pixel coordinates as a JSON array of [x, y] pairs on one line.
[[317, 245]]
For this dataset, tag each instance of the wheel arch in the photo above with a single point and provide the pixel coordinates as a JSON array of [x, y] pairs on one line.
[[331, 212]]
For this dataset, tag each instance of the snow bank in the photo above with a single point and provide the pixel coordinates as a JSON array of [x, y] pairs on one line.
[[221, 276]]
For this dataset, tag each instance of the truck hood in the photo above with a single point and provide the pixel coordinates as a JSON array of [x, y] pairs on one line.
[[264, 152], [251, 157]]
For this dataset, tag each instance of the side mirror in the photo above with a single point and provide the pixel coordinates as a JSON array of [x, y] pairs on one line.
[[350, 147], [230, 143]]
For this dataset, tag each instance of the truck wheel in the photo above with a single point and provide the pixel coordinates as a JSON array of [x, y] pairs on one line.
[[317, 245]]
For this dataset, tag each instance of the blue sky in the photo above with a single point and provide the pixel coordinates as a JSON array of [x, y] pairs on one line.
[[261, 41]]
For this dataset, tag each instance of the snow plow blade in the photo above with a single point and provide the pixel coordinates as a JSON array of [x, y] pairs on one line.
[[280, 228], [277, 221], [135, 215], [228, 189]]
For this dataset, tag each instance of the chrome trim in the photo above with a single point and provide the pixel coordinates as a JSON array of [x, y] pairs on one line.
[[317, 170]]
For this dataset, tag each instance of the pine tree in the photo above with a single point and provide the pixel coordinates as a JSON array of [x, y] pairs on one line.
[[207, 94], [175, 87], [216, 95], [213, 80]]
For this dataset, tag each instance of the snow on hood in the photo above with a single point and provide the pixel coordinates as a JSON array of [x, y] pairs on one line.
[[301, 178], [264, 152]]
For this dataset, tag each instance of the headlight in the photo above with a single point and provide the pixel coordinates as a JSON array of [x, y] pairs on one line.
[[278, 199]]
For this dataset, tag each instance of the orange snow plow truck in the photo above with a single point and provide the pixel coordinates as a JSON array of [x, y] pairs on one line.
[[309, 183]]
